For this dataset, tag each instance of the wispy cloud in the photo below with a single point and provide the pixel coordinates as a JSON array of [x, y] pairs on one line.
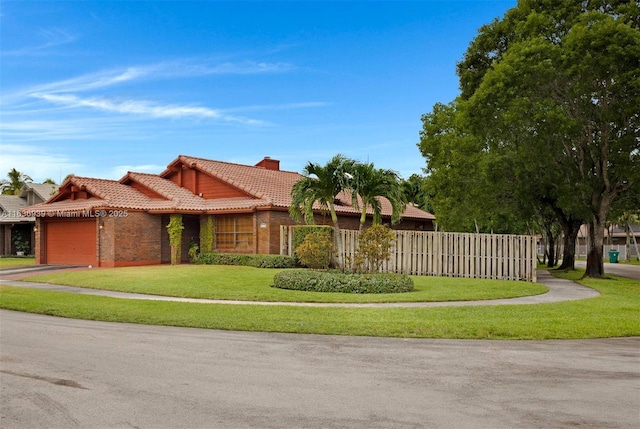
[[144, 108], [66, 130], [94, 81], [284, 106], [38, 162], [53, 37], [158, 71], [246, 67], [84, 107]]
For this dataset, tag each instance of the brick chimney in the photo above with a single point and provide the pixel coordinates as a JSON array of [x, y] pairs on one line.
[[269, 164]]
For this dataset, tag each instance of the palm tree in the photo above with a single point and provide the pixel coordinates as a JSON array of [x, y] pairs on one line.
[[328, 182], [369, 184], [13, 186]]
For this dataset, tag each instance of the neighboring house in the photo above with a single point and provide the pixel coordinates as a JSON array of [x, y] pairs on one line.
[[615, 238], [14, 226], [112, 223]]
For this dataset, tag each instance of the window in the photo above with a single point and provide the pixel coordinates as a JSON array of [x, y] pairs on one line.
[[234, 233]]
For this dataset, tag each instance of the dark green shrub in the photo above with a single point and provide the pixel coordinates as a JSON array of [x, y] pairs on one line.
[[274, 261], [336, 281], [316, 250], [258, 261]]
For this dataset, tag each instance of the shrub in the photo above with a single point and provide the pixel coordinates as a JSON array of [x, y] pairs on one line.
[[300, 232], [258, 261], [206, 234], [336, 281], [193, 251], [175, 228], [316, 249], [374, 248]]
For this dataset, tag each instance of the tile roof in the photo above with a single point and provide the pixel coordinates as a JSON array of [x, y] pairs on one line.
[[259, 182], [265, 187]]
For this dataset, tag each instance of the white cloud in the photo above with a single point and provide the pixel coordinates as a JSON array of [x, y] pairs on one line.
[[93, 81], [83, 108], [67, 130], [37, 162], [119, 171], [158, 71], [145, 108]]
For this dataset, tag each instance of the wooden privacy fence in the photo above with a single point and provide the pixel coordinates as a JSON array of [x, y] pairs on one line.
[[449, 254]]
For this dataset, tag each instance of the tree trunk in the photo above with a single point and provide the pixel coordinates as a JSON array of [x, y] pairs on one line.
[[363, 218], [627, 245], [337, 239], [635, 243], [551, 248], [570, 231], [595, 265]]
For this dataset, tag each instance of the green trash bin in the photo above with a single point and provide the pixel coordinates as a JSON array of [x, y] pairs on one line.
[[613, 256]]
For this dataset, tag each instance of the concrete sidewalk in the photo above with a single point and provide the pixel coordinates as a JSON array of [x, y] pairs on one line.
[[559, 290]]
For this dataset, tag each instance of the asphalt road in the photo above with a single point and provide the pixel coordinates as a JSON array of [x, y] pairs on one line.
[[624, 270], [64, 373]]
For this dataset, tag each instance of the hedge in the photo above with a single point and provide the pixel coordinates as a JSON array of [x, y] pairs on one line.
[[337, 281], [258, 261]]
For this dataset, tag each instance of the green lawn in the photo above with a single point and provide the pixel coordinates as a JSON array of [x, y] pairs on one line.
[[253, 284], [16, 262], [616, 313]]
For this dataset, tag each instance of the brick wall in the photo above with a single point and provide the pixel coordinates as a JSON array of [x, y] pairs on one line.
[[165, 247], [106, 242], [39, 241], [136, 239]]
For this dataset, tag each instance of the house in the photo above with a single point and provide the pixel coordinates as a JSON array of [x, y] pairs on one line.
[[615, 238], [111, 223], [14, 226]]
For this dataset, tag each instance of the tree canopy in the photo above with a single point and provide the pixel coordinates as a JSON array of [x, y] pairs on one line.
[[364, 183], [368, 184], [547, 119]]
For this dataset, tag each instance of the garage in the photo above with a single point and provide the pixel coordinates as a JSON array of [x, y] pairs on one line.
[[70, 241]]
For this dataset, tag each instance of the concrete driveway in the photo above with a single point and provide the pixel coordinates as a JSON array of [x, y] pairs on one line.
[[64, 373]]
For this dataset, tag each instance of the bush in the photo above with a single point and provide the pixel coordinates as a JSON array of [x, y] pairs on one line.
[[258, 261], [300, 232], [336, 281], [316, 249], [374, 248]]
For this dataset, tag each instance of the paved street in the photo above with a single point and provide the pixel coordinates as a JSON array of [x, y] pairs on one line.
[[63, 373], [624, 270]]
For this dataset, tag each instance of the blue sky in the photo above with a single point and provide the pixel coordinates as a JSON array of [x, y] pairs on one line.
[[101, 88]]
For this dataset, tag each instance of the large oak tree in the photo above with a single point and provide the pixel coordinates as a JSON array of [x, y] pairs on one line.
[[552, 90]]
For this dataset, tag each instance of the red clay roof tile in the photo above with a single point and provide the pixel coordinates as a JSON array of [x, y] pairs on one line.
[[268, 188]]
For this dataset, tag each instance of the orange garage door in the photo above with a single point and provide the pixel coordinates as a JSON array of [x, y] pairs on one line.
[[71, 241]]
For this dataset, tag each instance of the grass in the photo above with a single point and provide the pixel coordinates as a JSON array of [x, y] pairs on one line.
[[616, 313], [16, 262], [253, 284]]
